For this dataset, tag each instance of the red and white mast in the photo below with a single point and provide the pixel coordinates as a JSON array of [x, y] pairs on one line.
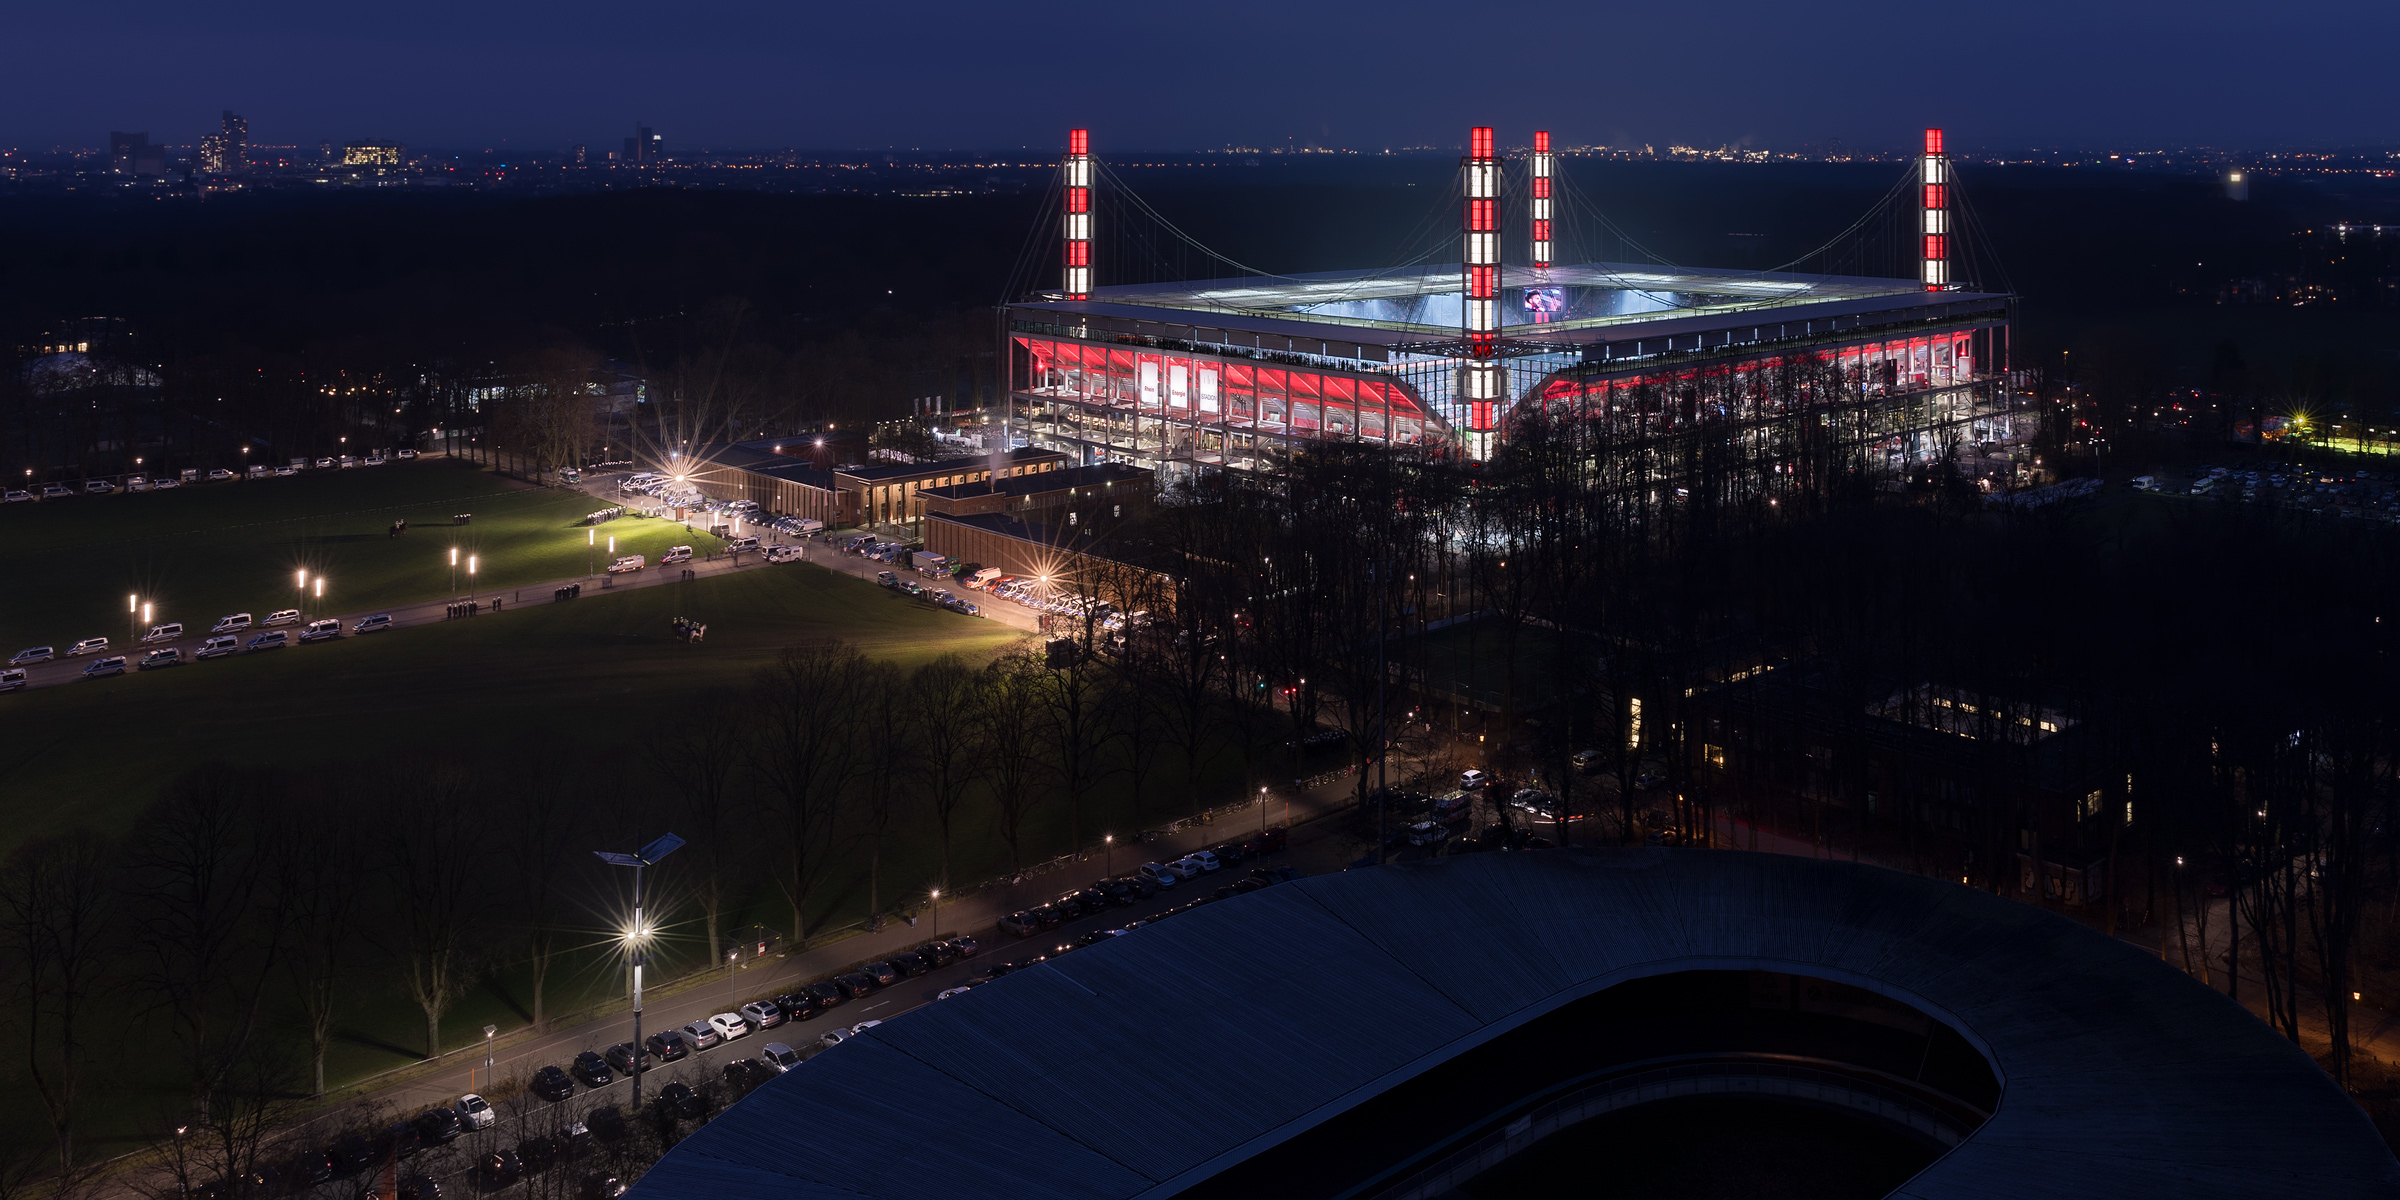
[[1076, 268], [1480, 382], [1933, 217], [1541, 200]]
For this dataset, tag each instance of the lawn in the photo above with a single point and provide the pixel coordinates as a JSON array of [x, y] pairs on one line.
[[197, 553]]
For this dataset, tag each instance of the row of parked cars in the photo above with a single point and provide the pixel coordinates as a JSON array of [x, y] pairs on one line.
[[1148, 880], [1256, 878], [161, 483], [940, 596], [224, 639]]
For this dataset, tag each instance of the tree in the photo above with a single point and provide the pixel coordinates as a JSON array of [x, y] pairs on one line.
[[316, 877], [434, 869], [699, 761], [884, 766], [802, 750], [544, 830], [1009, 716], [942, 707], [59, 899], [206, 914]]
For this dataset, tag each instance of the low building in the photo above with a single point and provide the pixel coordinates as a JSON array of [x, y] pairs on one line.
[[786, 478], [1043, 492]]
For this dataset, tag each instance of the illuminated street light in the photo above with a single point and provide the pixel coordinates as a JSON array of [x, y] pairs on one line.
[[470, 579], [636, 935]]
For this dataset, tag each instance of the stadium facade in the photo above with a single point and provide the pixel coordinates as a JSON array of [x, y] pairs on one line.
[[1451, 359]]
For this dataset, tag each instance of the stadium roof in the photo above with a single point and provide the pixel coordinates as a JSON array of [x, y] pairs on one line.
[[1593, 302], [2119, 1076]]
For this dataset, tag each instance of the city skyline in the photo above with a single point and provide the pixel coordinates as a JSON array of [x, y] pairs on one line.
[[736, 76]]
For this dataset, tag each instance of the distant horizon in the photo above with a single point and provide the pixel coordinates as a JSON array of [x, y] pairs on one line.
[[599, 147]]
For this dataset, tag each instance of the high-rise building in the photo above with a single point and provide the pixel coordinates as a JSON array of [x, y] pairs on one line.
[[579, 153], [227, 151], [132, 154], [644, 146], [372, 153]]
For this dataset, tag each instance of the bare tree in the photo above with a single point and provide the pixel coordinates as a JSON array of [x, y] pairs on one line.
[[206, 927], [942, 704], [884, 766], [435, 870], [316, 876], [59, 898], [699, 761], [1009, 713], [546, 824], [802, 751]]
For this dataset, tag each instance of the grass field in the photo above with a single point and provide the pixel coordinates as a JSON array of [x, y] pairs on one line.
[[197, 553]]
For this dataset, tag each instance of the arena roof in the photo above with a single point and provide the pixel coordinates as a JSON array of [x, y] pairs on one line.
[[2119, 1076], [1591, 301]]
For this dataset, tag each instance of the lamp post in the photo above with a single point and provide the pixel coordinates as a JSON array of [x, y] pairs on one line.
[[933, 910], [470, 579], [454, 574], [320, 595], [636, 936], [733, 995], [133, 614], [591, 551], [488, 1031], [1108, 855]]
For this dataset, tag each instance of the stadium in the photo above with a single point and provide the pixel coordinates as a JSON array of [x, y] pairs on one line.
[[1455, 358], [1414, 1030]]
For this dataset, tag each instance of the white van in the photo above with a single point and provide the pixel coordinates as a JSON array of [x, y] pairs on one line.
[[2145, 483], [218, 647], [631, 562], [232, 624], [675, 554], [163, 633], [282, 616], [740, 544], [87, 646], [319, 631], [983, 578], [374, 624]]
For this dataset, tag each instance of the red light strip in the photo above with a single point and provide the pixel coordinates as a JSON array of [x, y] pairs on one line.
[[1075, 263], [1933, 214], [1480, 273]]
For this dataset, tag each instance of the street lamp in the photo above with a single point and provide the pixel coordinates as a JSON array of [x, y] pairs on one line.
[[733, 995], [454, 574], [933, 909], [133, 613], [636, 935], [488, 1031], [320, 595], [1108, 855], [591, 549], [470, 579]]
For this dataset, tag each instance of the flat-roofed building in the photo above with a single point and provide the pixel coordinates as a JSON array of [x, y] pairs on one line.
[[782, 477], [1108, 484]]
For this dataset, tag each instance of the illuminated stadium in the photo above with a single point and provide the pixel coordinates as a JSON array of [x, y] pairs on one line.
[[1450, 359], [1439, 1028]]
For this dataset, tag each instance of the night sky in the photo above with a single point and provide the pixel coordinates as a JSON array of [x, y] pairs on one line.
[[543, 74]]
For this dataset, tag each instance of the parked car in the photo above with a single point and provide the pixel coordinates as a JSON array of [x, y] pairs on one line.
[[16, 496], [910, 964], [98, 487], [620, 1056], [112, 665], [946, 993], [539, 1152], [728, 1026], [1587, 762], [166, 631], [630, 562], [967, 947], [272, 640], [283, 616], [743, 1074], [854, 984], [606, 1124], [321, 631], [218, 647], [824, 995], [702, 1035], [31, 655], [87, 646], [1020, 924], [12, 679], [677, 1099], [762, 1014], [501, 1168], [475, 1112], [436, 1126], [1186, 867], [1469, 780], [881, 972], [675, 554], [552, 1084], [405, 455], [668, 1046], [593, 1070], [834, 1038], [165, 656], [940, 954], [234, 623], [779, 1058], [374, 624], [795, 1006]]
